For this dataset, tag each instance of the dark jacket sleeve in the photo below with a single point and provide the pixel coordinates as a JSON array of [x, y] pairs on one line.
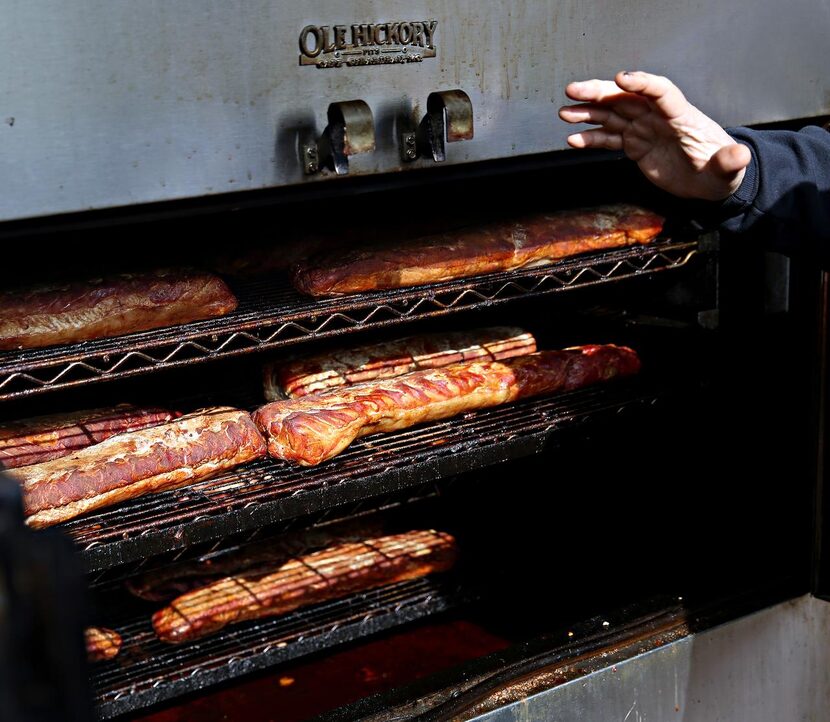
[[785, 193]]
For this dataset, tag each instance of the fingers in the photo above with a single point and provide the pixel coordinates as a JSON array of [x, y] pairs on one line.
[[596, 138], [726, 168], [659, 90], [592, 91], [595, 114], [607, 93], [584, 113], [730, 160], [635, 148]]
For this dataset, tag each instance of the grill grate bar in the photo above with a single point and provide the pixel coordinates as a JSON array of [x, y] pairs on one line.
[[106, 581], [271, 314], [148, 671], [269, 491]]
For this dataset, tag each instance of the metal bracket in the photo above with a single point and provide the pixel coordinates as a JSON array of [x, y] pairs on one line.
[[350, 130], [449, 119]]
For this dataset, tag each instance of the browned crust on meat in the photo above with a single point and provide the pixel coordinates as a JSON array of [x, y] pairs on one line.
[[301, 581], [531, 241], [317, 427], [41, 438], [172, 580], [139, 462], [347, 366], [101, 643], [111, 306]]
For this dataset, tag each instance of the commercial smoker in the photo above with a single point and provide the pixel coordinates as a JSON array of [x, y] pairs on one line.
[[648, 550]]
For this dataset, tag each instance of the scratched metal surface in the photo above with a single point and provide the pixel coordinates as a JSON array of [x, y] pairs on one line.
[[769, 666], [113, 102]]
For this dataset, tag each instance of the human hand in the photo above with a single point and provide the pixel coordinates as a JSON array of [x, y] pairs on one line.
[[676, 146]]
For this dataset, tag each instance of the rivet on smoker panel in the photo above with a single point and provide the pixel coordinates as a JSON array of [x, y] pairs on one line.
[[311, 162], [449, 119], [409, 146], [350, 130]]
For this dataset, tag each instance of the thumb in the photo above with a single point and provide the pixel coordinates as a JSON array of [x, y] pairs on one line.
[[730, 160]]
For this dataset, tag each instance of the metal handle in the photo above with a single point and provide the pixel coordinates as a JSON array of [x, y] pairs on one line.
[[449, 119], [351, 130]]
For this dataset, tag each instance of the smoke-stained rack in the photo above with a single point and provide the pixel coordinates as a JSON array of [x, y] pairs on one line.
[[271, 314], [148, 671], [366, 508], [267, 491]]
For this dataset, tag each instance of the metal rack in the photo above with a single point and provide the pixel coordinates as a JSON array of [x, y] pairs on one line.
[[367, 508], [148, 671], [267, 495], [268, 491], [272, 314]]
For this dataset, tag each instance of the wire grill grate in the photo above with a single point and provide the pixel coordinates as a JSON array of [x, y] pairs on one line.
[[148, 671], [268, 491], [272, 314]]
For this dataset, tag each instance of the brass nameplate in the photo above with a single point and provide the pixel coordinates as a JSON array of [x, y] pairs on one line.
[[335, 46]]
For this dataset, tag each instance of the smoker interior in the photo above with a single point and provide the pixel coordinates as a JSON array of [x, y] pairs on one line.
[[691, 481], [547, 541], [272, 314]]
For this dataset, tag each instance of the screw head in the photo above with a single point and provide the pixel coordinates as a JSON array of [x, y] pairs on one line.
[[311, 164]]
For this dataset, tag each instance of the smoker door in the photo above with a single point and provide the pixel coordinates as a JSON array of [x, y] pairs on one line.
[[119, 103]]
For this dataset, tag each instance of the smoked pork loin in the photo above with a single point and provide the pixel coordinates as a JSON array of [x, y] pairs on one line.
[[317, 427], [193, 447], [347, 366], [111, 306], [531, 241]]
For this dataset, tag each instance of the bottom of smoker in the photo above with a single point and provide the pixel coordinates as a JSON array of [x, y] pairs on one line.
[[769, 663], [132, 680], [317, 684], [769, 666], [749, 657]]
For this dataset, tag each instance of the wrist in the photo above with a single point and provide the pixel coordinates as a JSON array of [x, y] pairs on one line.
[[746, 186], [735, 184]]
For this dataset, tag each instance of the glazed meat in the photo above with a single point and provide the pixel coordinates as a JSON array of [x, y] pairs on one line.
[[191, 448], [101, 643], [314, 428], [500, 246], [347, 366], [329, 574], [42, 438], [102, 307], [172, 580]]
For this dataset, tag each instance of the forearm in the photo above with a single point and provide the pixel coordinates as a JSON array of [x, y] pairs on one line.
[[785, 193]]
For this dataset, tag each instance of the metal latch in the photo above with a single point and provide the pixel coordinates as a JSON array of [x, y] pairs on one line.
[[449, 118], [351, 130]]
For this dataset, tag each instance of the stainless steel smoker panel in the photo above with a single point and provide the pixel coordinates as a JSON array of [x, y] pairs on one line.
[[111, 103], [769, 666]]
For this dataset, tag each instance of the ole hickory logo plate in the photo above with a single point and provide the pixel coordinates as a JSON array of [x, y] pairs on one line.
[[335, 46]]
